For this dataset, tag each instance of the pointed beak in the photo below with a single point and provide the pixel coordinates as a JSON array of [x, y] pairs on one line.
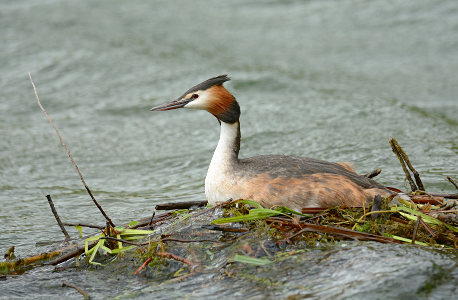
[[171, 105]]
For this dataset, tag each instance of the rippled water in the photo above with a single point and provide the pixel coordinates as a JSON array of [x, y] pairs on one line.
[[325, 79]]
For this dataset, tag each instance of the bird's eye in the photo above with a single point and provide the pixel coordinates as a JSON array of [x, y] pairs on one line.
[[194, 96]]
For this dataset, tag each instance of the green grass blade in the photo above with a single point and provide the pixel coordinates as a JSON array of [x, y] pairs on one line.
[[133, 223], [426, 218], [409, 241], [116, 251], [285, 210], [251, 203], [254, 214], [80, 230], [125, 231], [86, 243], [94, 251], [251, 260]]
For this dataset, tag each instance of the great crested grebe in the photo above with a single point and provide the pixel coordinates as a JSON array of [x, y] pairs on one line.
[[270, 180]]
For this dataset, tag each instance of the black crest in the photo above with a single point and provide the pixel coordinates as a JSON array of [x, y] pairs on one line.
[[218, 80]]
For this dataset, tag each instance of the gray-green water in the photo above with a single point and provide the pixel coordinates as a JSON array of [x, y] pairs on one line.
[[325, 79]]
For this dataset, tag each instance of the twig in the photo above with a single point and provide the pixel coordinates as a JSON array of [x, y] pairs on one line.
[[143, 265], [27, 262], [145, 222], [448, 196], [180, 205], [407, 161], [370, 213], [69, 154], [376, 206], [431, 232], [224, 228], [264, 248], [394, 146], [84, 225], [313, 210], [426, 199], [74, 286], [70, 254], [187, 241], [399, 220], [342, 232], [152, 217], [123, 241], [373, 173], [452, 182], [414, 236], [160, 219], [175, 257], [59, 222]]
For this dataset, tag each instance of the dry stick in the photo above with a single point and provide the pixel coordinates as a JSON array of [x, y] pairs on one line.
[[180, 205], [143, 265], [175, 257], [84, 225], [376, 206], [152, 217], [59, 222], [415, 173], [80, 290], [123, 241], [448, 196], [414, 236], [407, 161], [395, 149], [188, 241], [70, 254], [431, 232], [452, 182], [68, 153], [373, 173]]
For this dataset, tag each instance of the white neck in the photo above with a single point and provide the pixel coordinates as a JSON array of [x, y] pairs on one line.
[[228, 145], [223, 160]]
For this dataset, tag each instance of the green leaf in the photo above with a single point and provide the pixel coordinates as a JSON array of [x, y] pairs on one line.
[[132, 238], [133, 223], [251, 260], [251, 203], [94, 252], [125, 231], [254, 214], [400, 238], [115, 251], [426, 218], [80, 230], [86, 243], [285, 209]]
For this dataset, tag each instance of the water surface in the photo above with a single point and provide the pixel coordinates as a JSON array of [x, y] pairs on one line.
[[325, 79]]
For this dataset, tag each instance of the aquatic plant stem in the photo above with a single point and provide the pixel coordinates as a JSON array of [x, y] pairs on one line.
[[84, 225], [69, 154], [175, 257], [77, 288], [430, 231], [370, 213], [394, 146], [404, 159], [180, 205], [373, 173], [143, 265], [415, 230], [59, 222], [452, 182]]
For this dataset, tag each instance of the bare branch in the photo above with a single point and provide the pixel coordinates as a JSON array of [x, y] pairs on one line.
[[68, 153]]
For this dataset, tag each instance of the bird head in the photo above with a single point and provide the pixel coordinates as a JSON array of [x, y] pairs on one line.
[[209, 95]]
